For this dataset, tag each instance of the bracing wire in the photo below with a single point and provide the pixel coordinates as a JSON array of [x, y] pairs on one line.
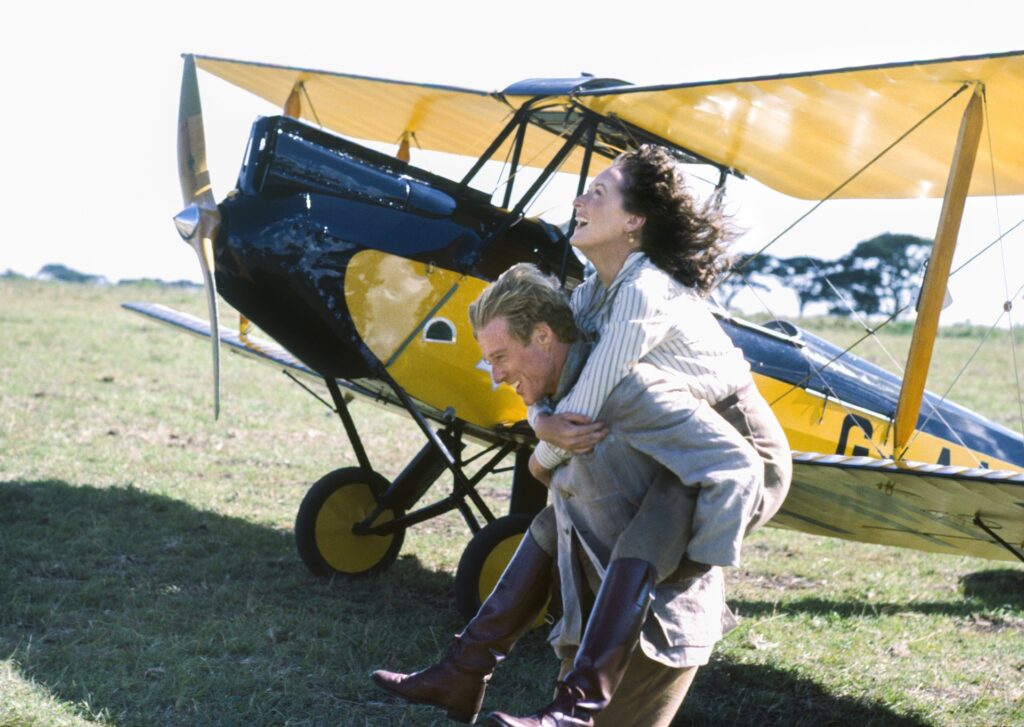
[[861, 320], [817, 370], [540, 192], [963, 369], [1008, 303], [504, 166], [987, 247], [839, 402], [934, 412], [312, 108], [851, 178], [870, 332]]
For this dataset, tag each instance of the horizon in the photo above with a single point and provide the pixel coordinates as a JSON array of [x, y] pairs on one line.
[[72, 276], [93, 176]]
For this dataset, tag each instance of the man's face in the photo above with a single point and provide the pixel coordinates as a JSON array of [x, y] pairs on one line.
[[531, 368]]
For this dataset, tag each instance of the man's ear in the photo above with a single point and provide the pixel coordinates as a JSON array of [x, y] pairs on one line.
[[542, 334]]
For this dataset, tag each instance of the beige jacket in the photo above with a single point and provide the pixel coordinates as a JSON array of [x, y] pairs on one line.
[[672, 478]]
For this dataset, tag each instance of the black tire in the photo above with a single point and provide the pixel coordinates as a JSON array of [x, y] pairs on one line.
[[484, 560], [323, 526]]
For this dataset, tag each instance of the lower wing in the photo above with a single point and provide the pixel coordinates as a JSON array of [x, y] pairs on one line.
[[939, 508]]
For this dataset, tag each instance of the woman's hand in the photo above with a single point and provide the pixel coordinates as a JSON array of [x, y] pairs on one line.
[[572, 432]]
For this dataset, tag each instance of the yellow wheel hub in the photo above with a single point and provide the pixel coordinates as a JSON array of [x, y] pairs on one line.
[[494, 566], [342, 549]]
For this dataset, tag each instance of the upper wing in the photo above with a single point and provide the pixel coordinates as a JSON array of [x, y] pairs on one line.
[[805, 134], [439, 118], [921, 506], [801, 134]]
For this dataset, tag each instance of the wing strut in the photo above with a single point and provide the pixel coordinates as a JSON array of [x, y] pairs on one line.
[[981, 524], [933, 290]]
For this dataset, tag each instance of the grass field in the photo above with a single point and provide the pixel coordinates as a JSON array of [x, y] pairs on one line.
[[149, 575]]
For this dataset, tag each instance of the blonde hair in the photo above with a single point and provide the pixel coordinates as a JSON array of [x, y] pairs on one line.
[[524, 297]]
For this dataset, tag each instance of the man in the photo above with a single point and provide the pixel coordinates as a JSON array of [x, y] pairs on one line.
[[671, 479]]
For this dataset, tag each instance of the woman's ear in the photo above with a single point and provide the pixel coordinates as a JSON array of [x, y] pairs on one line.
[[634, 223]]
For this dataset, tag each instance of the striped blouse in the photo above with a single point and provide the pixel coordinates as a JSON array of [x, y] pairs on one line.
[[645, 315]]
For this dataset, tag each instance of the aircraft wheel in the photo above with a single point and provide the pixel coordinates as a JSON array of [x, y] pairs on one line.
[[323, 526], [484, 560]]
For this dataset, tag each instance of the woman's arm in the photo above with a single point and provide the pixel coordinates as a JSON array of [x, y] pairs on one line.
[[539, 472], [569, 431], [635, 326]]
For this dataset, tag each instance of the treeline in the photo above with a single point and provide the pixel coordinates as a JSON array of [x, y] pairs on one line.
[[880, 276], [64, 274]]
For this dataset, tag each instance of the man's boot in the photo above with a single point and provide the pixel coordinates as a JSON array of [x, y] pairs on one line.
[[457, 682], [608, 641]]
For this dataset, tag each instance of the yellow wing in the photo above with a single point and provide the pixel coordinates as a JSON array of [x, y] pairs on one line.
[[805, 134], [801, 134], [927, 507], [438, 118]]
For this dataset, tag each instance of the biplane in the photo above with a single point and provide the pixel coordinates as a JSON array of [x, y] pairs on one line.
[[360, 267]]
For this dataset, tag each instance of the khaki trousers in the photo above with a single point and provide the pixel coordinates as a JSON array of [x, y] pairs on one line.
[[649, 696]]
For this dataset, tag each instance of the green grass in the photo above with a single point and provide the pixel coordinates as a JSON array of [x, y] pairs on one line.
[[150, 578]]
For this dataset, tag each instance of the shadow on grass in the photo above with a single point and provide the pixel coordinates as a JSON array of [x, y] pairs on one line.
[[743, 694], [996, 588], [142, 609], [984, 589], [148, 611]]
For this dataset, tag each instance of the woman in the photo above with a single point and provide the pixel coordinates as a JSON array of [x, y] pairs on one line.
[[654, 253]]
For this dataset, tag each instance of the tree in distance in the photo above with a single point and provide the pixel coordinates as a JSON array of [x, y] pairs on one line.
[[880, 276]]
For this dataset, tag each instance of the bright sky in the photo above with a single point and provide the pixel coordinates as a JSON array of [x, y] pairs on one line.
[[89, 175]]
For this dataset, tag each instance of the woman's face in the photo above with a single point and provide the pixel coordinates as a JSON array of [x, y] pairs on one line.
[[601, 221]]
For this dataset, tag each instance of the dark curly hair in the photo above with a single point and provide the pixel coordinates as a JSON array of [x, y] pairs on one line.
[[681, 236]]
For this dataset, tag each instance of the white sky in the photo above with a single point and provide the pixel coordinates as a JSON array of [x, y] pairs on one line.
[[88, 175]]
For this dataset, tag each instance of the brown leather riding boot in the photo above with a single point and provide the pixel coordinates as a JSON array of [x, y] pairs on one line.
[[457, 682], [610, 637]]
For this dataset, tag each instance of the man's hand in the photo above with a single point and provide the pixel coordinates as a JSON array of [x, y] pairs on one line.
[[540, 473], [572, 432]]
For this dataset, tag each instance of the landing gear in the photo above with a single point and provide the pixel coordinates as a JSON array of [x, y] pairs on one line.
[[326, 535], [484, 560], [352, 522]]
